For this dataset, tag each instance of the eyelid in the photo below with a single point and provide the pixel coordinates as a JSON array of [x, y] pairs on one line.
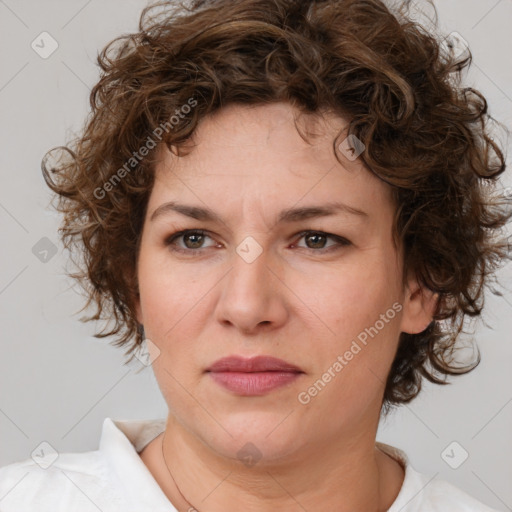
[[178, 234], [340, 241]]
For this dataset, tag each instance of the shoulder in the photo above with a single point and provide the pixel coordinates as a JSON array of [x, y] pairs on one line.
[[423, 493], [441, 495], [72, 481], [88, 481]]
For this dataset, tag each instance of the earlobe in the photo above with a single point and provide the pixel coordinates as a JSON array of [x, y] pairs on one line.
[[136, 305], [138, 312], [135, 300], [419, 308]]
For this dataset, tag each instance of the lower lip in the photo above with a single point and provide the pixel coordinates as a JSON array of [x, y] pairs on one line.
[[254, 383]]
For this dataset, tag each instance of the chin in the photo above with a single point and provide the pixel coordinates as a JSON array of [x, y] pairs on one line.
[[262, 437]]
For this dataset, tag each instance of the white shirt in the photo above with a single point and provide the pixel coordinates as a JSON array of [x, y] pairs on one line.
[[115, 479]]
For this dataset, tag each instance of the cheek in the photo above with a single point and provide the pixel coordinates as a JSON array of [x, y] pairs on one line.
[[175, 306], [348, 299], [362, 329], [167, 292], [156, 301]]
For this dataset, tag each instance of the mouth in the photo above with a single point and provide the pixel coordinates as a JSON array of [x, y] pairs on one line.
[[252, 364], [254, 376]]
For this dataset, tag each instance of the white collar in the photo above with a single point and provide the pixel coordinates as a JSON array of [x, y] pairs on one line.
[[121, 441]]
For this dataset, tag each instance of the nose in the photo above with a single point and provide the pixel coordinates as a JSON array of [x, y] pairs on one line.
[[253, 295]]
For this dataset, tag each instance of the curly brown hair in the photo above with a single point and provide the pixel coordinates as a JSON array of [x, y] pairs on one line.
[[425, 135]]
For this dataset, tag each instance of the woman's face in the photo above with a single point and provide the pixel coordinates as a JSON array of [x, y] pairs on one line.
[[252, 284]]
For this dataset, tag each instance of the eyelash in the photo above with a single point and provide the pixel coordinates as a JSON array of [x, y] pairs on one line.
[[342, 242]]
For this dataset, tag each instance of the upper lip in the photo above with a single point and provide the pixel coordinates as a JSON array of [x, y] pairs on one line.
[[252, 364]]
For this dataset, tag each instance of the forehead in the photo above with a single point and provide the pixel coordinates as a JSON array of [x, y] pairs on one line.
[[256, 155]]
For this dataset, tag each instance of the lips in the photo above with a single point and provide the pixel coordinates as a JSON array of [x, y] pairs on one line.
[[253, 364], [253, 377]]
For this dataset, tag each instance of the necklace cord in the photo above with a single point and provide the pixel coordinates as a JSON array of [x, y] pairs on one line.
[[194, 509]]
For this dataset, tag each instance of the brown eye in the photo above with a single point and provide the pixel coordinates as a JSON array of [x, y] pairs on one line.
[[195, 240], [316, 240], [192, 241]]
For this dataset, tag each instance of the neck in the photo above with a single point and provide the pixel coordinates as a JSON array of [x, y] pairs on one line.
[[333, 475]]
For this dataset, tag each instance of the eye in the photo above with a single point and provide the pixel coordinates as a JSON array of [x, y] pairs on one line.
[[316, 241], [192, 238]]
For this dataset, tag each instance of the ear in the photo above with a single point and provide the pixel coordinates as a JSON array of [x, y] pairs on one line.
[[420, 305], [138, 310], [134, 295]]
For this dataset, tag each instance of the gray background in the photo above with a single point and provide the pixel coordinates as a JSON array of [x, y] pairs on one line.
[[58, 383]]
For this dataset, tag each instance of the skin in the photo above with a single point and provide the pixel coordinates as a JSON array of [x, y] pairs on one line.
[[302, 299]]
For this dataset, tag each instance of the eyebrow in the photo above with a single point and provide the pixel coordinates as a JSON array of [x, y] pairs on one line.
[[286, 216]]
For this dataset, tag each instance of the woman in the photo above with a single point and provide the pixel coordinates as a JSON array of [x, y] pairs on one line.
[[288, 204]]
